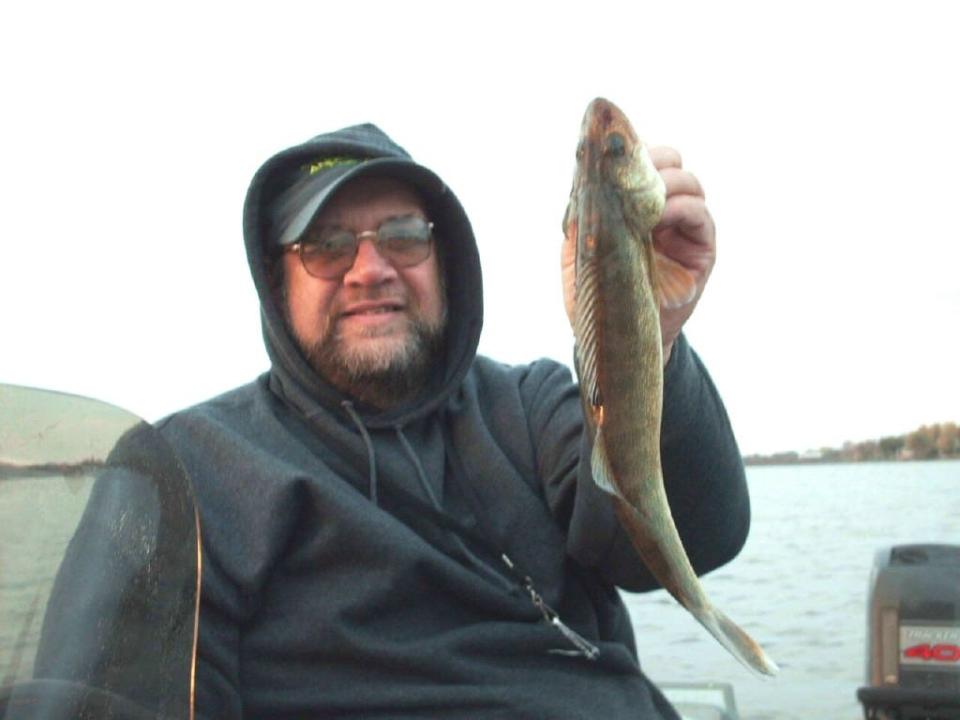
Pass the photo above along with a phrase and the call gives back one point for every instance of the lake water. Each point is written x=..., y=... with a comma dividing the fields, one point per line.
x=800, y=585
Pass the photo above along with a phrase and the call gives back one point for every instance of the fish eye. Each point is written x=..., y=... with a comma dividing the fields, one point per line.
x=616, y=146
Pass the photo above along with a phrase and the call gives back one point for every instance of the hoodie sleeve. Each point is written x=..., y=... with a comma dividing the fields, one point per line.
x=221, y=603
x=702, y=468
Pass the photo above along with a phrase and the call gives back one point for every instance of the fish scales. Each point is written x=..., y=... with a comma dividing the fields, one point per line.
x=616, y=201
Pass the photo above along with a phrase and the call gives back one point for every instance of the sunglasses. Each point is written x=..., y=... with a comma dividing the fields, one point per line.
x=328, y=252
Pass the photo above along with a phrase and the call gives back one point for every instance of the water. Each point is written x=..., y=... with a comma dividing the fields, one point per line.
x=37, y=519
x=800, y=585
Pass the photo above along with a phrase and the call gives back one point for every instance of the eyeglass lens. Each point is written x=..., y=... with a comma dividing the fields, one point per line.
x=328, y=252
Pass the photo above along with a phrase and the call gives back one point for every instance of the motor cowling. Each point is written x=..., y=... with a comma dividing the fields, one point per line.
x=913, y=634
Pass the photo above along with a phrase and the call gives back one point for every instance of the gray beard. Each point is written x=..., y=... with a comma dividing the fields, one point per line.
x=384, y=379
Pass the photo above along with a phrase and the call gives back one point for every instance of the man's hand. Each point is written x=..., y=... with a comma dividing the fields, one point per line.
x=685, y=234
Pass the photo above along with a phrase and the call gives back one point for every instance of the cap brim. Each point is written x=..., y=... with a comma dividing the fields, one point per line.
x=306, y=200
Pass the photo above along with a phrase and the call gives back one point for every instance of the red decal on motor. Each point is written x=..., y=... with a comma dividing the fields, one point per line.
x=937, y=653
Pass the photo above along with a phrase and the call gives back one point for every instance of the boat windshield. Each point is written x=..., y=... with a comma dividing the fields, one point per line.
x=99, y=563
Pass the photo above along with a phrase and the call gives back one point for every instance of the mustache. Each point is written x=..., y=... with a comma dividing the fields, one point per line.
x=345, y=300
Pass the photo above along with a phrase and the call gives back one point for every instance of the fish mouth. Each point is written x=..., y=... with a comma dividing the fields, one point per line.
x=603, y=112
x=603, y=117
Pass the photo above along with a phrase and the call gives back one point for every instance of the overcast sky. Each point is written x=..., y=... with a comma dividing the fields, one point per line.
x=826, y=136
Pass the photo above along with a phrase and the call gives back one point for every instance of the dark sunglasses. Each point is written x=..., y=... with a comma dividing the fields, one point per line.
x=328, y=252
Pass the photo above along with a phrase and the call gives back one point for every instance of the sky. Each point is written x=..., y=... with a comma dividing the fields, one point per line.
x=825, y=135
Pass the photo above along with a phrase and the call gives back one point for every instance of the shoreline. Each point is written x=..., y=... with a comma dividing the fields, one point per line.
x=756, y=461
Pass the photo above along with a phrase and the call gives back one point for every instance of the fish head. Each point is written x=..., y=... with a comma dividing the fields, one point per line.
x=608, y=143
x=624, y=160
x=614, y=169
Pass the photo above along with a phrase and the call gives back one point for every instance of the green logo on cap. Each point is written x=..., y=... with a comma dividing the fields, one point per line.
x=331, y=162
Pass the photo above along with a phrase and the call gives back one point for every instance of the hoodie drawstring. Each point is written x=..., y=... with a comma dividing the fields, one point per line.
x=481, y=567
x=371, y=454
x=421, y=475
x=478, y=564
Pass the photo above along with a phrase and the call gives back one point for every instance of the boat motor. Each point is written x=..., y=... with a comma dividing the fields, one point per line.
x=913, y=634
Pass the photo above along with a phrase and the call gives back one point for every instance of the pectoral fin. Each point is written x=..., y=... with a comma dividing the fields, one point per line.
x=676, y=284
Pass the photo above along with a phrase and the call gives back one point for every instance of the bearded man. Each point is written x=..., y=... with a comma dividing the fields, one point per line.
x=396, y=527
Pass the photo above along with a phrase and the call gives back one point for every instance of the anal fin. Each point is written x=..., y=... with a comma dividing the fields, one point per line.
x=600, y=465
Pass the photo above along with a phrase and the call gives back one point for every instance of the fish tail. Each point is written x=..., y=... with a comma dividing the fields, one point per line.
x=743, y=647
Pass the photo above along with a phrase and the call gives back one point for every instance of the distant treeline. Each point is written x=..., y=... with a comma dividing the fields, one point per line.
x=928, y=442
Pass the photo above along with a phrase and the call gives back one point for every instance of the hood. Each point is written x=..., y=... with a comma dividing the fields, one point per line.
x=291, y=375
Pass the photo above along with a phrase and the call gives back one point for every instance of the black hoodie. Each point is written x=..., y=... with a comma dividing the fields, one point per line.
x=354, y=559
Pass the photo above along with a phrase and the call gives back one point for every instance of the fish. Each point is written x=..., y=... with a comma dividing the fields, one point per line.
x=621, y=282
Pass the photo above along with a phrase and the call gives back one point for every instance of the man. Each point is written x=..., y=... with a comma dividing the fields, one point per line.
x=395, y=527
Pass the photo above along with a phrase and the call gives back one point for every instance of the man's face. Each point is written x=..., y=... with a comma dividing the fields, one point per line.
x=372, y=332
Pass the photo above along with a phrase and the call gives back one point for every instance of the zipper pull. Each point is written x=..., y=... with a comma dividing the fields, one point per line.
x=583, y=646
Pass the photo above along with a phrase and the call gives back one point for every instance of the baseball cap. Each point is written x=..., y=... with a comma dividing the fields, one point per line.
x=295, y=208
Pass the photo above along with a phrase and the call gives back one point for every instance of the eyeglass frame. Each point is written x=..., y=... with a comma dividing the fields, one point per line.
x=374, y=235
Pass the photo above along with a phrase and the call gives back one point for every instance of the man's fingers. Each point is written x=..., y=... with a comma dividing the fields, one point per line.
x=685, y=211
x=681, y=182
x=665, y=157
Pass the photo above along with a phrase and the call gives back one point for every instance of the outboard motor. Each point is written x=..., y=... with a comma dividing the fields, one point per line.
x=913, y=634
